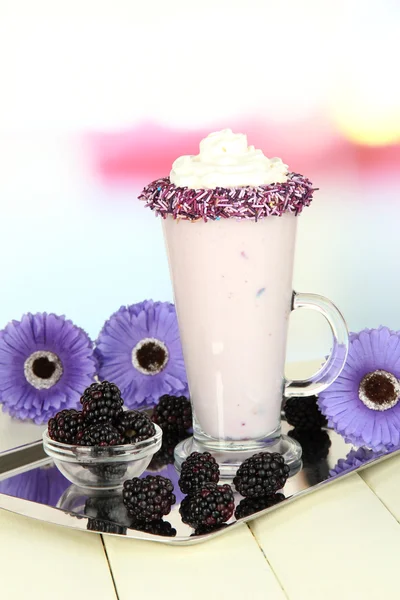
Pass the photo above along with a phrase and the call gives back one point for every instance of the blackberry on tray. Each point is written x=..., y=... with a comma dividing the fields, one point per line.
x=198, y=469
x=148, y=499
x=66, y=425
x=210, y=506
x=249, y=506
x=304, y=413
x=102, y=434
x=159, y=527
x=173, y=414
x=262, y=474
x=184, y=510
x=101, y=403
x=134, y=426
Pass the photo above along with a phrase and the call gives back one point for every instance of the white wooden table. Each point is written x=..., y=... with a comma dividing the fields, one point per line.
x=339, y=543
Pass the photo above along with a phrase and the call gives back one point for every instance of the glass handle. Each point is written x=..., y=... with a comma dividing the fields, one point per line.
x=335, y=363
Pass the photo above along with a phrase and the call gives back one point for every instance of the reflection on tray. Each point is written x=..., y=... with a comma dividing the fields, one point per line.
x=323, y=452
x=43, y=484
x=315, y=445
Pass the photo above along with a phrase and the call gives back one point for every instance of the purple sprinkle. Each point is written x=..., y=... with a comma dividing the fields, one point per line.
x=243, y=254
x=254, y=203
x=260, y=292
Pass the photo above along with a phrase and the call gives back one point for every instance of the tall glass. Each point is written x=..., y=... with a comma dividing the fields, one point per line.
x=232, y=284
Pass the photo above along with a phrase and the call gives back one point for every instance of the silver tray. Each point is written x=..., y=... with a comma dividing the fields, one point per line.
x=31, y=485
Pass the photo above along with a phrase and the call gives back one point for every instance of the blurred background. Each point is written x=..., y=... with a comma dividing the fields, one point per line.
x=98, y=98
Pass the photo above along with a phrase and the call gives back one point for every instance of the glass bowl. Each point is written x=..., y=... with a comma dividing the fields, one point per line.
x=102, y=467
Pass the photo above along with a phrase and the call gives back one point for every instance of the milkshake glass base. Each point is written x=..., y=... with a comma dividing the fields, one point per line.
x=229, y=459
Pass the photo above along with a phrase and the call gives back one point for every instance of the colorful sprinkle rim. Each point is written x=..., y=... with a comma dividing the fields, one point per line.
x=165, y=198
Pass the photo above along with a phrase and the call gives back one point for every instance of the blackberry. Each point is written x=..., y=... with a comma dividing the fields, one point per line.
x=134, y=426
x=112, y=472
x=158, y=527
x=198, y=469
x=314, y=444
x=148, y=499
x=262, y=474
x=65, y=426
x=249, y=506
x=165, y=455
x=304, y=413
x=103, y=526
x=102, y=434
x=173, y=414
x=210, y=506
x=101, y=403
x=184, y=510
x=204, y=529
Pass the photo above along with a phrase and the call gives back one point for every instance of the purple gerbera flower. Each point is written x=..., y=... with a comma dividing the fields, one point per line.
x=139, y=349
x=353, y=460
x=363, y=403
x=45, y=364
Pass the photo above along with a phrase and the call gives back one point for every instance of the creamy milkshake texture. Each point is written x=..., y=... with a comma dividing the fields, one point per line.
x=230, y=227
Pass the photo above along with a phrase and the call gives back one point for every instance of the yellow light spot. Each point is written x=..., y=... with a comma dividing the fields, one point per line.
x=372, y=126
x=365, y=101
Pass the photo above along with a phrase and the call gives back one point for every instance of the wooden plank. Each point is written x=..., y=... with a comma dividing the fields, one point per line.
x=43, y=562
x=231, y=566
x=340, y=542
x=384, y=481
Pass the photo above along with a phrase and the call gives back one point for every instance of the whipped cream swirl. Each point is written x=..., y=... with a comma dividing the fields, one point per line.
x=225, y=160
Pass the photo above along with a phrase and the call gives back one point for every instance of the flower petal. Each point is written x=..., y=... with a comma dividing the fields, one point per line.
x=370, y=350
x=54, y=333
x=118, y=337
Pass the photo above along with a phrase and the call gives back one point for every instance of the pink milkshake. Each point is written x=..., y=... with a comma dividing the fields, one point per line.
x=230, y=217
x=233, y=294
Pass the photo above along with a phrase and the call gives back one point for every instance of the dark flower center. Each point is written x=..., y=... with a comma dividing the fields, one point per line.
x=43, y=367
x=379, y=390
x=150, y=356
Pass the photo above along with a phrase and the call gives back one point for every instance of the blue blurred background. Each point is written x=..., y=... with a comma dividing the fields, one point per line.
x=97, y=99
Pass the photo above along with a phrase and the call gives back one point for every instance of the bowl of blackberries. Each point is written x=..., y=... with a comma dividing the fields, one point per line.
x=102, y=445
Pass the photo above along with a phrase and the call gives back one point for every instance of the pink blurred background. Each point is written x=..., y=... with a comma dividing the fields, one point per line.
x=97, y=99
